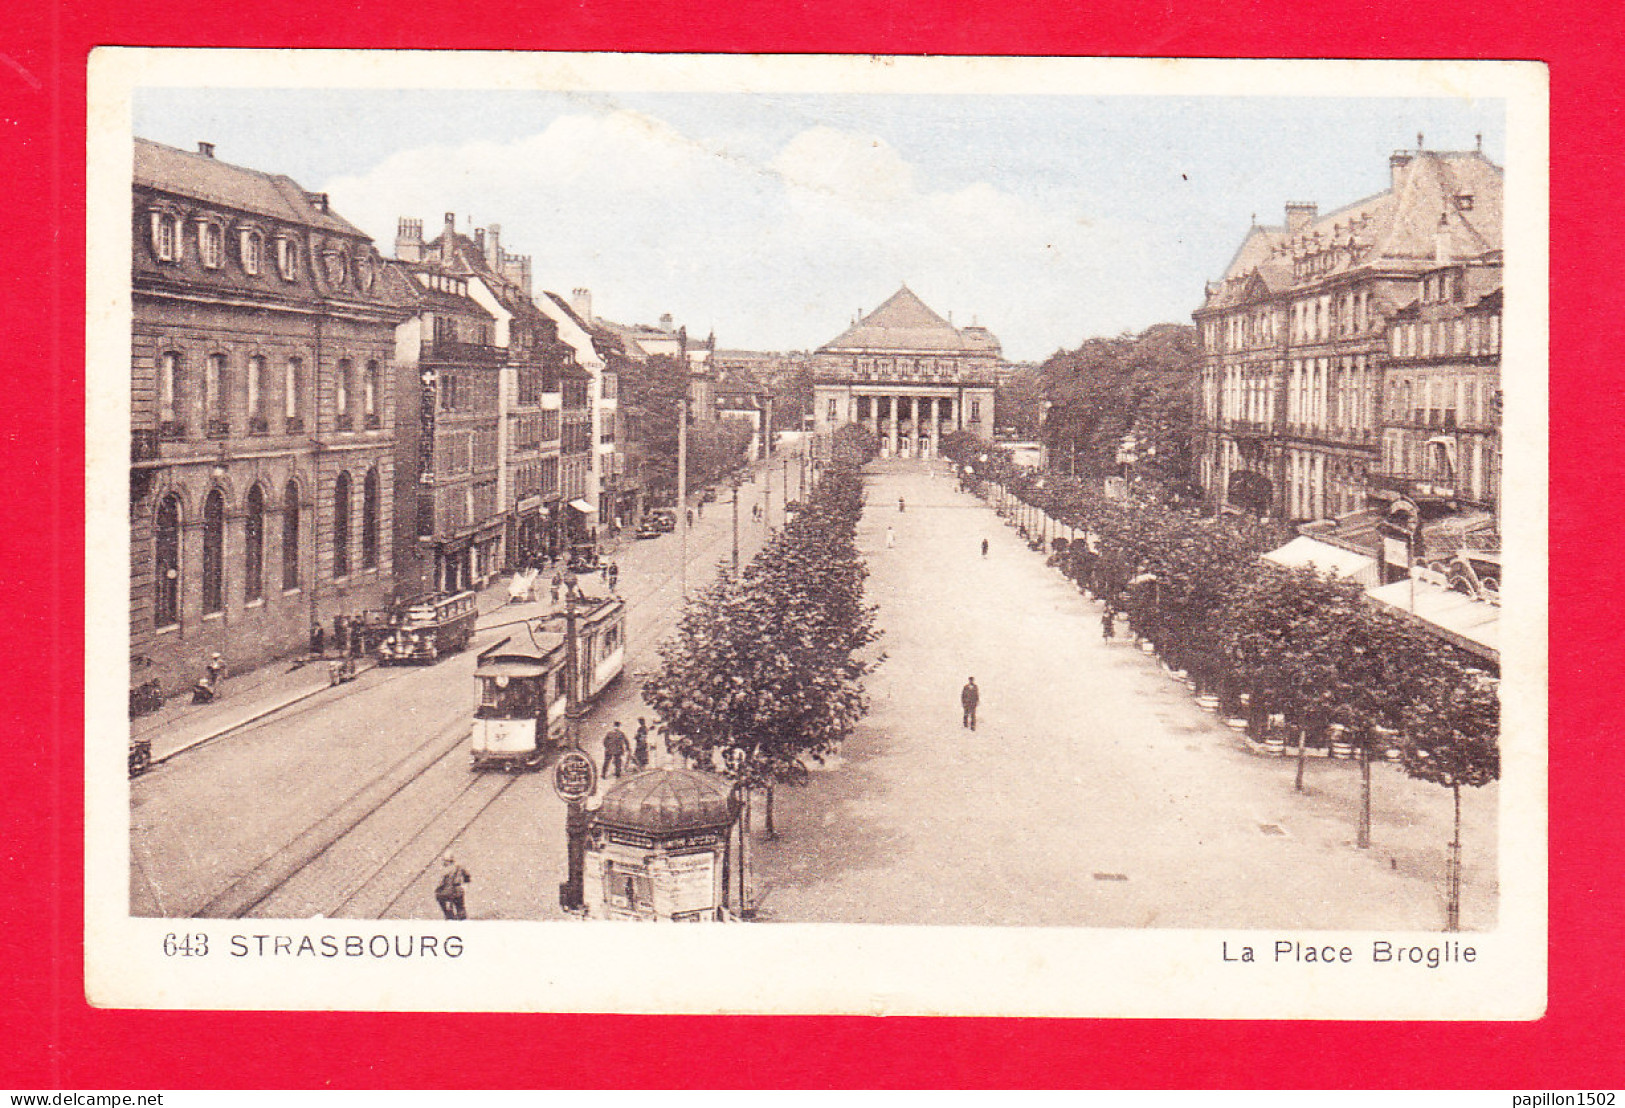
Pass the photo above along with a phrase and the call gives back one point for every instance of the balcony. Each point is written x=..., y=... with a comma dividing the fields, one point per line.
x=258, y=425
x=1413, y=486
x=344, y=422
x=171, y=430
x=293, y=425
x=374, y=421
x=219, y=429
x=446, y=350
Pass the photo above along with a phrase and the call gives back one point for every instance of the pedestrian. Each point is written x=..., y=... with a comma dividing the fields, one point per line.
x=969, y=697
x=891, y=538
x=613, y=572
x=702, y=509
x=318, y=639
x=555, y=584
x=449, y=893
x=1108, y=624
x=217, y=670
x=640, y=745
x=900, y=505
x=615, y=750
x=984, y=548
x=691, y=517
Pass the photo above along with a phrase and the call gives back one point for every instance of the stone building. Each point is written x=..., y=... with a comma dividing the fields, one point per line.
x=262, y=415
x=908, y=375
x=1296, y=383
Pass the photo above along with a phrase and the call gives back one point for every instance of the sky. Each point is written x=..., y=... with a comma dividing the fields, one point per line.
x=773, y=219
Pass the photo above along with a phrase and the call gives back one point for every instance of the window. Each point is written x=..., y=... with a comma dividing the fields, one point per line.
x=214, y=551
x=292, y=392
x=211, y=239
x=166, y=236
x=250, y=247
x=448, y=392
x=976, y=411
x=832, y=410
x=341, y=526
x=290, y=536
x=216, y=382
x=369, y=520
x=170, y=425
x=341, y=392
x=166, y=563
x=254, y=546
x=256, y=395
x=369, y=394
x=287, y=258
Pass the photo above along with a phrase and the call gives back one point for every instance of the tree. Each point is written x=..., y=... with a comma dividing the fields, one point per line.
x=768, y=667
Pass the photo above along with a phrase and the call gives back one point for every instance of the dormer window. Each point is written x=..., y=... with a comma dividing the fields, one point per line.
x=166, y=236
x=334, y=261
x=251, y=248
x=1464, y=201
x=211, y=238
x=287, y=258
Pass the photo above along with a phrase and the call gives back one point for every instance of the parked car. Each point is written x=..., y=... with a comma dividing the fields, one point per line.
x=663, y=519
x=709, y=496
x=648, y=529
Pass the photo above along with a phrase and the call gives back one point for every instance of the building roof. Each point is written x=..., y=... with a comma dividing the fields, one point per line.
x=668, y=801
x=206, y=178
x=1440, y=200
x=1467, y=622
x=905, y=323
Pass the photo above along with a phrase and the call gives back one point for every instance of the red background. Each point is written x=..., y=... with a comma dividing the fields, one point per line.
x=52, y=1039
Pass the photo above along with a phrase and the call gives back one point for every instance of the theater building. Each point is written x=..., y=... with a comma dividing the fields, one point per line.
x=262, y=415
x=909, y=376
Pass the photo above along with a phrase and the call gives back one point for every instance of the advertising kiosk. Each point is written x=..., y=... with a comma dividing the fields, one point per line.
x=655, y=847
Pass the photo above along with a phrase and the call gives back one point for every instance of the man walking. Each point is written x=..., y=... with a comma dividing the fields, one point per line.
x=969, y=697
x=891, y=538
x=1108, y=624
x=640, y=745
x=449, y=893
x=615, y=750
x=984, y=548
x=613, y=573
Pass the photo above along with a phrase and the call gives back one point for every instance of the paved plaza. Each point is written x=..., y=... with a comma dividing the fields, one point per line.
x=1094, y=792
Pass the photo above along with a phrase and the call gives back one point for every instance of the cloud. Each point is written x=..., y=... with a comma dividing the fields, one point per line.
x=774, y=250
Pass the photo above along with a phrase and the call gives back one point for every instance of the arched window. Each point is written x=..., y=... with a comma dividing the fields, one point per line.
x=290, y=536
x=254, y=546
x=211, y=244
x=341, y=526
x=251, y=246
x=214, y=551
x=166, y=563
x=369, y=520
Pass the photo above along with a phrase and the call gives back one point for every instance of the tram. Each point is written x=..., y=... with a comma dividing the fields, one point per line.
x=428, y=628
x=522, y=688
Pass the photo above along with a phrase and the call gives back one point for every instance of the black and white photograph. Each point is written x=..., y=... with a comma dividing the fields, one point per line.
x=974, y=536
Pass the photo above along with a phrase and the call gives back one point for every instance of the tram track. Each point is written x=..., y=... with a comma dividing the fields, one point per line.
x=379, y=884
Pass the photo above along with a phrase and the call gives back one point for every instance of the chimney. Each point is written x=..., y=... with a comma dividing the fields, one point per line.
x=1441, y=239
x=1396, y=168
x=317, y=200
x=581, y=303
x=409, y=240
x=206, y=149
x=493, y=247
x=451, y=226
x=1300, y=214
x=479, y=239
x=665, y=320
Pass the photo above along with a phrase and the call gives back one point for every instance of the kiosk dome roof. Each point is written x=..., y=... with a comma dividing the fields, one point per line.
x=668, y=801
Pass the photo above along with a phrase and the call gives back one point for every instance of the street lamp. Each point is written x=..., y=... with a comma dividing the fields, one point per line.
x=573, y=895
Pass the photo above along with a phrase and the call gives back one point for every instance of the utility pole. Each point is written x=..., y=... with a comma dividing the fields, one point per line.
x=682, y=497
x=575, y=813
x=736, y=525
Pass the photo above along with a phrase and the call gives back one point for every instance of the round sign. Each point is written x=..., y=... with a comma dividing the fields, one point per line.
x=574, y=777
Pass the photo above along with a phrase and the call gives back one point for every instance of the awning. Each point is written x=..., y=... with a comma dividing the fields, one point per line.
x=583, y=506
x=1323, y=557
x=1470, y=623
